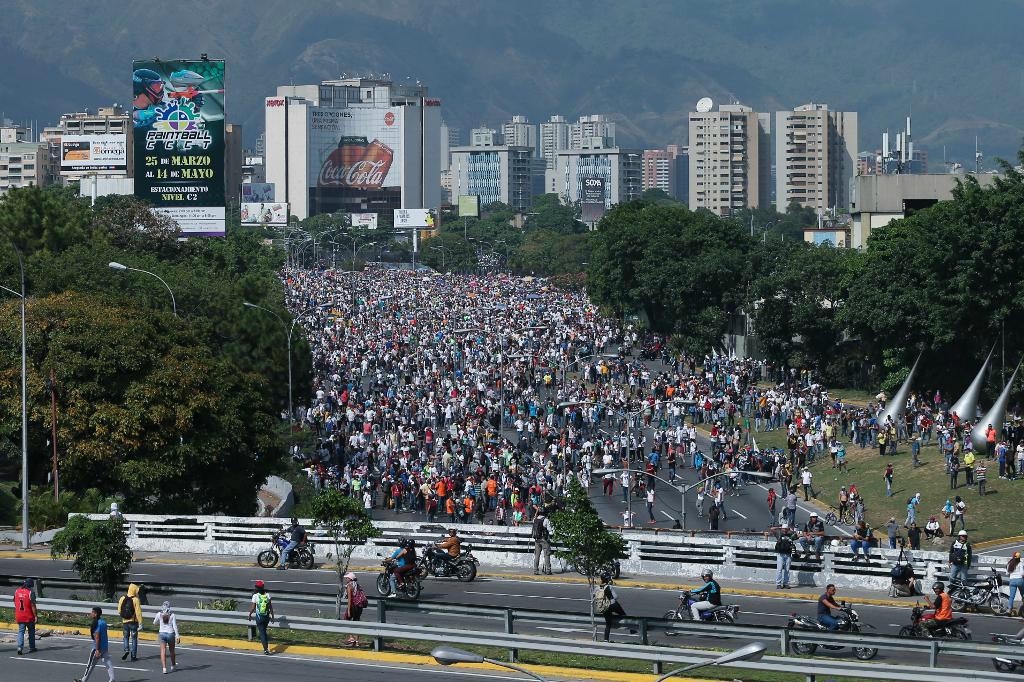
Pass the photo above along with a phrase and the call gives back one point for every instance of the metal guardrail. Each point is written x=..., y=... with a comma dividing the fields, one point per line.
x=659, y=656
x=509, y=617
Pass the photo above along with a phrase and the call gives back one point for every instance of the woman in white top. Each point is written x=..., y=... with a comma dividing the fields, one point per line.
x=168, y=634
x=1015, y=569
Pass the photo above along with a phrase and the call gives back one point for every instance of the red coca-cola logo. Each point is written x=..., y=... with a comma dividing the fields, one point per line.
x=275, y=103
x=389, y=119
x=368, y=172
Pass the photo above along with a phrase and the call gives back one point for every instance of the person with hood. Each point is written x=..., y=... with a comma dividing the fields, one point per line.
x=130, y=609
x=168, y=634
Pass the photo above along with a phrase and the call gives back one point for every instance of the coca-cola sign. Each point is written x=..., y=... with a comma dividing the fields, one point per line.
x=366, y=169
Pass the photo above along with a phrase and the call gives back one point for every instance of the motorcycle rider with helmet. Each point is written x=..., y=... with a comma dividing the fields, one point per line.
x=711, y=592
x=405, y=561
x=943, y=606
x=452, y=544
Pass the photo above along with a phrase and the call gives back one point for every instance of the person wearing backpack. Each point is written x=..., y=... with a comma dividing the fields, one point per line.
x=130, y=609
x=541, y=542
x=356, y=599
x=960, y=557
x=784, y=549
x=263, y=608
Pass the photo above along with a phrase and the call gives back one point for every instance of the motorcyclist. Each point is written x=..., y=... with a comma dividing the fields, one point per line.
x=405, y=561
x=826, y=603
x=943, y=606
x=296, y=536
x=452, y=544
x=710, y=594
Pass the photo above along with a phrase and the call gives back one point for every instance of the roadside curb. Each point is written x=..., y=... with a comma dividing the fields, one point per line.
x=374, y=656
x=999, y=541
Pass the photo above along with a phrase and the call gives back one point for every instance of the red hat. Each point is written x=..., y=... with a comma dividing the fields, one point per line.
x=259, y=583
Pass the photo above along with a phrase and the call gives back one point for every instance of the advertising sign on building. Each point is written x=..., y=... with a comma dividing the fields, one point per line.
x=469, y=206
x=178, y=127
x=257, y=192
x=364, y=221
x=91, y=153
x=413, y=217
x=355, y=149
x=593, y=191
x=264, y=214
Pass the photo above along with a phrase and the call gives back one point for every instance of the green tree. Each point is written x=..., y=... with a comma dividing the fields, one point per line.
x=549, y=213
x=349, y=526
x=99, y=551
x=43, y=219
x=581, y=537
x=657, y=196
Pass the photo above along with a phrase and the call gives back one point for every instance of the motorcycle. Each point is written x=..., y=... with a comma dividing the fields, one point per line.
x=409, y=585
x=1008, y=665
x=954, y=629
x=717, y=614
x=301, y=556
x=849, y=621
x=982, y=593
x=441, y=565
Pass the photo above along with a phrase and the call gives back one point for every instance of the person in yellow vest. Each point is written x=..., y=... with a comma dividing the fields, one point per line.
x=969, y=464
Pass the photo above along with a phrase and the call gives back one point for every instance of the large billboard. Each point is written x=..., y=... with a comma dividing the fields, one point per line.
x=469, y=205
x=364, y=221
x=178, y=121
x=593, y=191
x=413, y=217
x=94, y=153
x=257, y=192
x=264, y=214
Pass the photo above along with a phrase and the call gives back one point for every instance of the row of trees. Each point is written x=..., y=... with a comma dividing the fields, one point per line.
x=945, y=281
x=171, y=413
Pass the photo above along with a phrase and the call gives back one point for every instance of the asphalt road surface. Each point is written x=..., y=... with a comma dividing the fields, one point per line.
x=545, y=596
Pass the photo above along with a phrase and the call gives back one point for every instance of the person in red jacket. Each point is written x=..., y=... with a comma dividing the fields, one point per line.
x=25, y=615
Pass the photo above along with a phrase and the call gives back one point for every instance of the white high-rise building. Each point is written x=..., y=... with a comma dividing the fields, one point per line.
x=592, y=132
x=495, y=173
x=730, y=159
x=619, y=171
x=815, y=156
x=449, y=139
x=358, y=145
x=554, y=137
x=519, y=132
x=484, y=137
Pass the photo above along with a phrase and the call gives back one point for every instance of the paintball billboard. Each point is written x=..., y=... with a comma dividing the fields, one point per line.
x=178, y=127
x=93, y=153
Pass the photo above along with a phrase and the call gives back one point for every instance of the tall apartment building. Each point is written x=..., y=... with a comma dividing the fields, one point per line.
x=23, y=164
x=815, y=156
x=449, y=139
x=519, y=132
x=484, y=137
x=113, y=121
x=668, y=170
x=554, y=137
x=495, y=173
x=729, y=160
x=592, y=132
x=619, y=169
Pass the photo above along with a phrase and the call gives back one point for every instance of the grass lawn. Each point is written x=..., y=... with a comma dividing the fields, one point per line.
x=986, y=516
x=278, y=637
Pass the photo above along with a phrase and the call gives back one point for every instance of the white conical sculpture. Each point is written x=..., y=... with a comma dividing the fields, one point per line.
x=967, y=406
x=895, y=407
x=994, y=416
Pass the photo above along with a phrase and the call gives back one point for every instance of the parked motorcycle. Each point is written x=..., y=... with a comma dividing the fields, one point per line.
x=954, y=629
x=1008, y=665
x=441, y=565
x=849, y=621
x=978, y=594
x=409, y=585
x=717, y=614
x=301, y=556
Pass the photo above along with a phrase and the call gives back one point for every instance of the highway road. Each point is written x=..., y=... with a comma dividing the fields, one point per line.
x=61, y=659
x=546, y=596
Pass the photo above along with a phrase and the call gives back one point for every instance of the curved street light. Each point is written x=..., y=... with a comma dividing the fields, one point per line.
x=449, y=655
x=750, y=652
x=118, y=266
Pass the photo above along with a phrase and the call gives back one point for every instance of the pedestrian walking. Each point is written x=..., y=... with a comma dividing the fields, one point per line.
x=772, y=499
x=130, y=609
x=100, y=647
x=981, y=476
x=263, y=608
x=892, y=530
x=1015, y=571
x=912, y=505
x=713, y=515
x=167, y=634
x=26, y=615
x=606, y=603
x=887, y=477
x=805, y=480
x=542, y=530
x=784, y=549
x=356, y=601
x=650, y=505
x=959, y=514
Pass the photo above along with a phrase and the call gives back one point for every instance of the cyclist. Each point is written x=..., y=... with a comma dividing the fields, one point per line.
x=710, y=592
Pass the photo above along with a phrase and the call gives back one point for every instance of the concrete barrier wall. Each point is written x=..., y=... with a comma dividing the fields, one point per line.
x=661, y=553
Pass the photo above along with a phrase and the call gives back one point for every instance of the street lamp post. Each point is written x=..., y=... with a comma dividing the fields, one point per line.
x=447, y=655
x=289, y=330
x=750, y=652
x=117, y=266
x=24, y=406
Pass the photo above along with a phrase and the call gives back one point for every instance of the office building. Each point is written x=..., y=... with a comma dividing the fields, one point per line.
x=484, y=137
x=519, y=132
x=619, y=171
x=495, y=173
x=449, y=139
x=358, y=145
x=815, y=156
x=84, y=132
x=554, y=137
x=729, y=160
x=668, y=170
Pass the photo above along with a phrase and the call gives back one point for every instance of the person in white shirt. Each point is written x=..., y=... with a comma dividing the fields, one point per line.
x=805, y=480
x=650, y=504
x=168, y=634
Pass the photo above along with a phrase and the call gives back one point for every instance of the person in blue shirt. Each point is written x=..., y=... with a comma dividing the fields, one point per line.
x=405, y=561
x=101, y=648
x=654, y=458
x=710, y=592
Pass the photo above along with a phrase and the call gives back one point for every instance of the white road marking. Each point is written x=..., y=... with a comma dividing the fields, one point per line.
x=554, y=629
x=668, y=516
x=36, y=659
x=733, y=511
x=526, y=596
